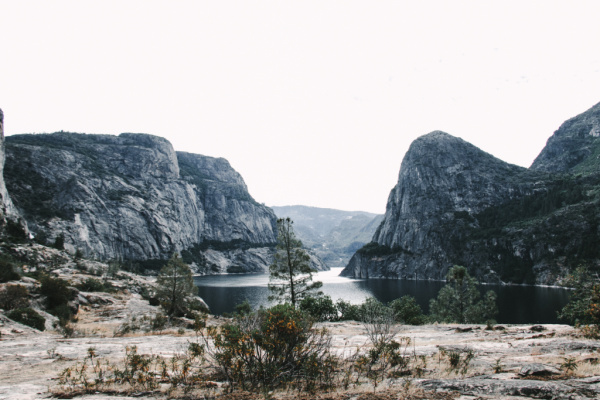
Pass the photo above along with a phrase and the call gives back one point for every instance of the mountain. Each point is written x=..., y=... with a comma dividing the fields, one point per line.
x=333, y=235
x=456, y=204
x=8, y=212
x=574, y=147
x=133, y=198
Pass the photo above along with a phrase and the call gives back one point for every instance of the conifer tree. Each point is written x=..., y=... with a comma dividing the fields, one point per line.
x=291, y=273
x=458, y=300
x=174, y=286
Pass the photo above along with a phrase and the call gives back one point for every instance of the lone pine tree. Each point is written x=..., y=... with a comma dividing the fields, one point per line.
x=291, y=273
x=174, y=286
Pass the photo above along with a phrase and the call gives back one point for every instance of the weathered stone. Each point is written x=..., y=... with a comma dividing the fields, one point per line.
x=539, y=370
x=456, y=204
x=523, y=388
x=7, y=209
x=571, y=146
x=132, y=197
x=443, y=181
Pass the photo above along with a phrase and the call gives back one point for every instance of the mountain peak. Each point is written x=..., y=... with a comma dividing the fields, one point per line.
x=574, y=147
x=456, y=204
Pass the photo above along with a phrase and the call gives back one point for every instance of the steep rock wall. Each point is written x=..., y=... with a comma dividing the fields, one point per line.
x=574, y=147
x=442, y=180
x=455, y=204
x=132, y=197
x=7, y=209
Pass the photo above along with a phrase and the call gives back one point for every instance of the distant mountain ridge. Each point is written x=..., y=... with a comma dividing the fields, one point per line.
x=456, y=204
x=333, y=235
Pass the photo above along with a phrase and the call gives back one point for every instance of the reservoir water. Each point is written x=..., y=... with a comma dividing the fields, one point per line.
x=516, y=304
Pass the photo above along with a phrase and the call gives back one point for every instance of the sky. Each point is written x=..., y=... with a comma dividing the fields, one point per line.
x=312, y=102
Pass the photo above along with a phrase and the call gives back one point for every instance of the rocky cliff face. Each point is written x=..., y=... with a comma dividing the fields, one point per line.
x=455, y=204
x=7, y=209
x=132, y=197
x=574, y=147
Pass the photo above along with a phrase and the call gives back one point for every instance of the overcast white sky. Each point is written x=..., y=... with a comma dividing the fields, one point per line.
x=313, y=102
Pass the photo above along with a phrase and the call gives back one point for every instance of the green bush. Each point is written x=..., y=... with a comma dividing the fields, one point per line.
x=271, y=348
x=321, y=308
x=407, y=311
x=58, y=294
x=15, y=231
x=583, y=308
x=95, y=285
x=158, y=322
x=41, y=238
x=347, y=311
x=379, y=321
x=59, y=242
x=14, y=296
x=241, y=309
x=8, y=270
x=28, y=316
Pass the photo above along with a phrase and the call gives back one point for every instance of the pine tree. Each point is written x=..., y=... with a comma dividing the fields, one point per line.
x=174, y=286
x=458, y=300
x=291, y=273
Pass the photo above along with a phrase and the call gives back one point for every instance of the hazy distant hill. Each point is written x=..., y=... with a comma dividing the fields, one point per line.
x=334, y=235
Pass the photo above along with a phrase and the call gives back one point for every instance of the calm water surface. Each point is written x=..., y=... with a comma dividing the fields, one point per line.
x=516, y=304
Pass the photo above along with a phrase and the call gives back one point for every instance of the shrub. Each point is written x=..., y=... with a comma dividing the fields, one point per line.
x=8, y=270
x=458, y=361
x=243, y=308
x=95, y=285
x=347, y=311
x=41, y=238
x=379, y=321
x=194, y=305
x=321, y=308
x=14, y=296
x=272, y=347
x=385, y=359
x=158, y=322
x=583, y=308
x=59, y=242
x=15, y=231
x=407, y=311
x=28, y=316
x=58, y=295
x=57, y=292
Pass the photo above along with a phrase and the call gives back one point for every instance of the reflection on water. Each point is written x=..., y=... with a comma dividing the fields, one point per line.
x=516, y=304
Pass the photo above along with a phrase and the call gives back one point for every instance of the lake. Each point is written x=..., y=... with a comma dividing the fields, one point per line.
x=516, y=304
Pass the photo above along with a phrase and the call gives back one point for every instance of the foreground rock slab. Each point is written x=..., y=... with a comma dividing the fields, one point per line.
x=30, y=361
x=496, y=388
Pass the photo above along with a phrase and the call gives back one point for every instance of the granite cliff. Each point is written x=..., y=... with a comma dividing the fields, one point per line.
x=8, y=212
x=455, y=204
x=133, y=198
